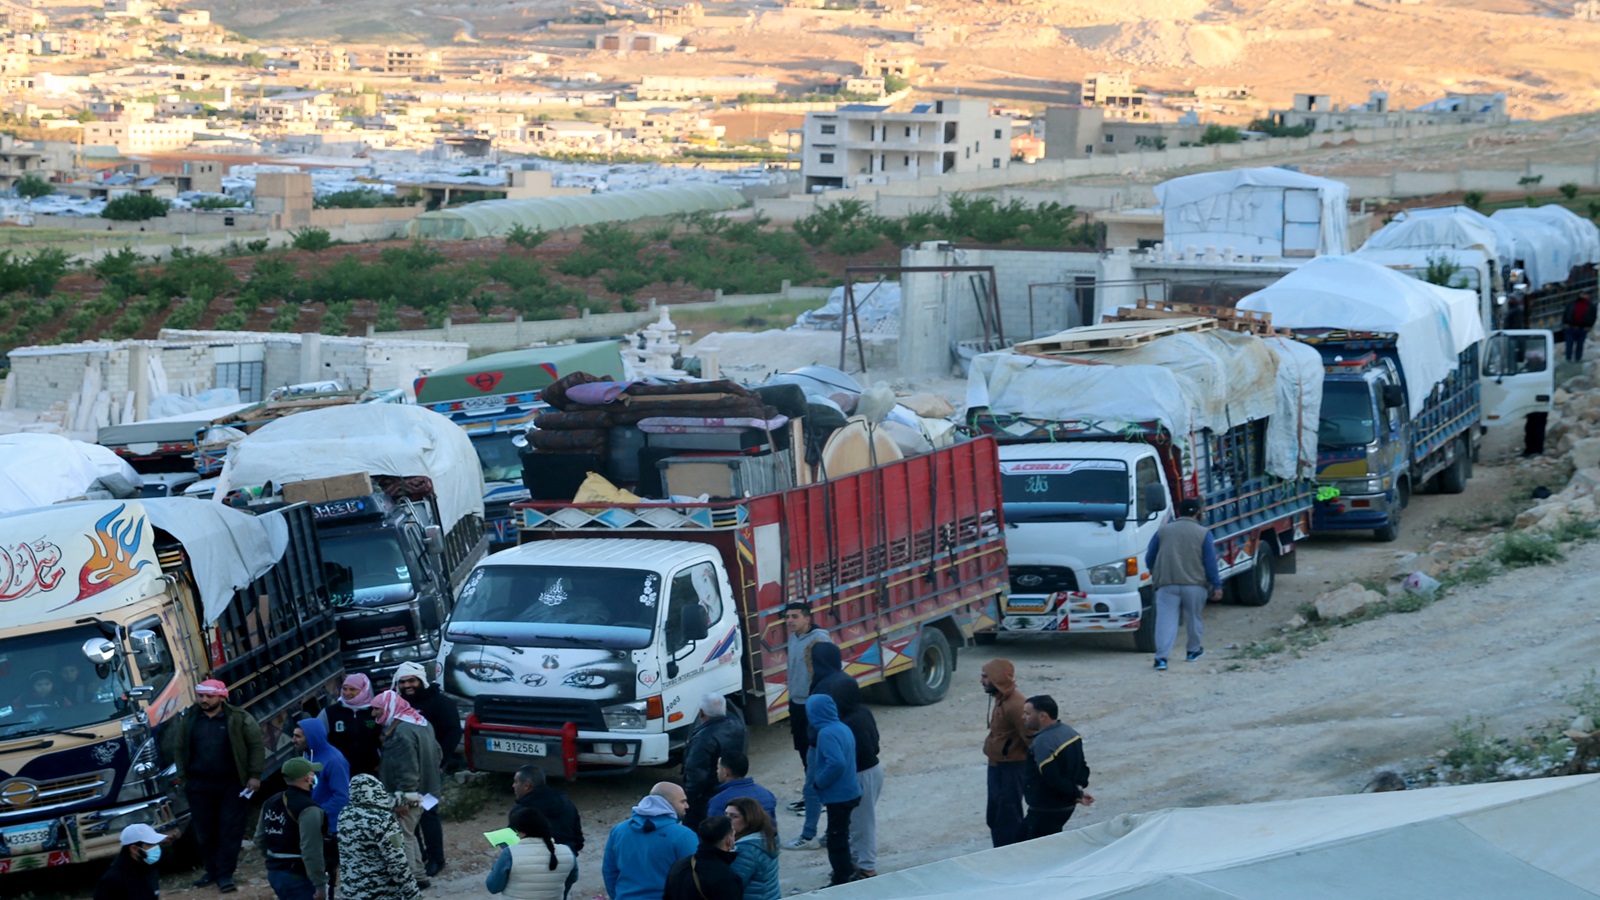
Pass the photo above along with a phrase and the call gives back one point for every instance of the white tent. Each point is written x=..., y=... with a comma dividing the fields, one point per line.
x=1432, y=324
x=1512, y=839
x=376, y=438
x=1257, y=212
x=1453, y=227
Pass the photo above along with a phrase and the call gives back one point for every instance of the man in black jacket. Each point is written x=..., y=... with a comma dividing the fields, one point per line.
x=716, y=733
x=219, y=754
x=708, y=874
x=293, y=835
x=133, y=874
x=1057, y=772
x=565, y=826
x=411, y=681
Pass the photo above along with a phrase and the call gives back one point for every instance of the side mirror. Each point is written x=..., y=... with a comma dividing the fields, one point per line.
x=433, y=539
x=1393, y=396
x=146, y=647
x=99, y=650
x=1155, y=497
x=695, y=624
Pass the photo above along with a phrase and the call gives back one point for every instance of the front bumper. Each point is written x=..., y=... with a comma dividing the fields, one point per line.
x=1351, y=512
x=1072, y=611
x=569, y=753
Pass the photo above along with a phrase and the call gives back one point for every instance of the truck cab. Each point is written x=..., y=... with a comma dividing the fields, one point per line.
x=1363, y=438
x=1079, y=516
x=590, y=653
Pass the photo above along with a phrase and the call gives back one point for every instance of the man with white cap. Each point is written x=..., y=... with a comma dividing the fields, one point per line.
x=219, y=754
x=411, y=681
x=133, y=874
x=293, y=834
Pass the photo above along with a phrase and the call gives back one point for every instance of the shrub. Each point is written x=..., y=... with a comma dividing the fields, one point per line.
x=233, y=320
x=32, y=187
x=135, y=208
x=1472, y=199
x=1530, y=180
x=355, y=198
x=216, y=203
x=1569, y=190
x=287, y=316
x=1220, y=134
x=309, y=238
x=187, y=315
x=526, y=238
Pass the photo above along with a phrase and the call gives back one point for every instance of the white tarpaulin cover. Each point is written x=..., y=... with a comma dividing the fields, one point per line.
x=1432, y=324
x=1187, y=381
x=1300, y=370
x=1550, y=240
x=875, y=302
x=83, y=559
x=1257, y=212
x=1453, y=227
x=376, y=438
x=41, y=469
x=1491, y=841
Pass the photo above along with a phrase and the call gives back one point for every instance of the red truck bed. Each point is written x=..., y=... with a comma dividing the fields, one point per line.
x=900, y=563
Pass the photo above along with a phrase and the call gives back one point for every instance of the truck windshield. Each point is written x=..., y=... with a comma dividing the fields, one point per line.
x=499, y=457
x=1347, y=416
x=50, y=686
x=367, y=569
x=1065, y=490
x=512, y=605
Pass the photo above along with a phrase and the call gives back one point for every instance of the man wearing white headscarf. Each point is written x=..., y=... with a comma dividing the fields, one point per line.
x=409, y=768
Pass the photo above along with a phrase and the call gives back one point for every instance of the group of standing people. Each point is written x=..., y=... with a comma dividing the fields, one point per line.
x=365, y=785
x=1035, y=759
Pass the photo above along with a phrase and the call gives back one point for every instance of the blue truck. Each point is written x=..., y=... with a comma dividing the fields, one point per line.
x=494, y=399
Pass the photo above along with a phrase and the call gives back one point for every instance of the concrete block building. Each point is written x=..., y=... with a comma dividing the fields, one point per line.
x=861, y=144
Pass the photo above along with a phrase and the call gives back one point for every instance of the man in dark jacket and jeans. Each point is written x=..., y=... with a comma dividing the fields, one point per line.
x=716, y=733
x=1183, y=562
x=1578, y=318
x=219, y=754
x=1057, y=773
x=411, y=681
x=557, y=808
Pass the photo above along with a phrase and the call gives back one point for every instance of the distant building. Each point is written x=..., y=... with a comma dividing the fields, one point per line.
x=1113, y=90
x=412, y=61
x=126, y=9
x=636, y=42
x=18, y=158
x=940, y=34
x=1222, y=92
x=688, y=87
x=875, y=66
x=142, y=137
x=572, y=134
x=1082, y=132
x=322, y=59
x=688, y=15
x=863, y=144
x=1586, y=10
x=13, y=63
x=297, y=106
x=665, y=123
x=1319, y=113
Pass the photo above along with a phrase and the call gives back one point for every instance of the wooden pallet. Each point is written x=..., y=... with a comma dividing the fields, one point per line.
x=1113, y=335
x=1227, y=318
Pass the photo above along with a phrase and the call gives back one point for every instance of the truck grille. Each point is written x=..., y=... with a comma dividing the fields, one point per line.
x=539, y=712
x=1042, y=580
x=19, y=795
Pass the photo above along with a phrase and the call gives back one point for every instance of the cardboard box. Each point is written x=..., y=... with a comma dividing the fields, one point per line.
x=318, y=490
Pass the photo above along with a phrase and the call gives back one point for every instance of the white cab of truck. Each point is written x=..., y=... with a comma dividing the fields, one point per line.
x=621, y=637
x=1079, y=517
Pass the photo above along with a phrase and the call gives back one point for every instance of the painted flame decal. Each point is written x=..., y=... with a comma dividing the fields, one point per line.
x=116, y=545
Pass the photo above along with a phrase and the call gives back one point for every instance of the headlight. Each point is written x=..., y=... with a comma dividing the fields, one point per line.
x=408, y=653
x=1112, y=573
x=623, y=717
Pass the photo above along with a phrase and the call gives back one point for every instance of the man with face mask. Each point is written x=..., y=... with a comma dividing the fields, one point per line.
x=291, y=834
x=411, y=681
x=219, y=754
x=332, y=788
x=133, y=874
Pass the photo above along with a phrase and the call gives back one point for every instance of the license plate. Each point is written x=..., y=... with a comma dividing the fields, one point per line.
x=26, y=838
x=523, y=748
x=481, y=404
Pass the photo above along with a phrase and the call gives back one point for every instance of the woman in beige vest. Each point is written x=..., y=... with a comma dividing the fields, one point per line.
x=534, y=868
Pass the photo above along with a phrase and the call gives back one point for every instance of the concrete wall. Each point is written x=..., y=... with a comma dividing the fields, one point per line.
x=493, y=336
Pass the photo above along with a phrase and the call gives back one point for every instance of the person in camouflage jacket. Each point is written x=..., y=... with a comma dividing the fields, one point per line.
x=372, y=856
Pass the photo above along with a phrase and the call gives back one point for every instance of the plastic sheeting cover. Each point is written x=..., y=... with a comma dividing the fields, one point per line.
x=1432, y=324
x=1187, y=382
x=1244, y=209
x=1531, y=838
x=41, y=469
x=1551, y=241
x=875, y=302
x=376, y=438
x=1455, y=227
x=495, y=218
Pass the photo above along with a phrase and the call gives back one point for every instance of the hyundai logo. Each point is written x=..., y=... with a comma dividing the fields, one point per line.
x=18, y=793
x=1030, y=580
x=533, y=680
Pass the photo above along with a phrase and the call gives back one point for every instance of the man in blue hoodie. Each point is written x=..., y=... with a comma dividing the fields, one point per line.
x=640, y=852
x=831, y=772
x=331, y=790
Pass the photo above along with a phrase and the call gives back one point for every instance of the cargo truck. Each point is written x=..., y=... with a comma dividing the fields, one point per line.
x=125, y=606
x=586, y=650
x=494, y=399
x=398, y=500
x=1104, y=429
x=1402, y=402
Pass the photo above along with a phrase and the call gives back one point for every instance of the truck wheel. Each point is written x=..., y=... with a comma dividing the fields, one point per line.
x=1254, y=588
x=1144, y=640
x=1454, y=479
x=1391, y=531
x=929, y=680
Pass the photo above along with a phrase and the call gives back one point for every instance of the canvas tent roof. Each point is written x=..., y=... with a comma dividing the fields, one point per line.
x=1214, y=208
x=1510, y=839
x=1347, y=292
x=495, y=218
x=511, y=371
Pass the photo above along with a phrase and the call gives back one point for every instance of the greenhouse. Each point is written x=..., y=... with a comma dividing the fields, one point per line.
x=495, y=218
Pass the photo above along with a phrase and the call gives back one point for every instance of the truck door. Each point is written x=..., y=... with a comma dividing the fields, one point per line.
x=699, y=665
x=1518, y=375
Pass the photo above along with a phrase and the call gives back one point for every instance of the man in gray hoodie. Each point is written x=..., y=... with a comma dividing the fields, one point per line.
x=802, y=634
x=1183, y=562
x=640, y=851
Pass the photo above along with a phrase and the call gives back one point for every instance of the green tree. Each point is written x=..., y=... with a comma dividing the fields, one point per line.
x=1472, y=199
x=309, y=238
x=254, y=60
x=32, y=187
x=1569, y=191
x=894, y=84
x=1220, y=134
x=135, y=208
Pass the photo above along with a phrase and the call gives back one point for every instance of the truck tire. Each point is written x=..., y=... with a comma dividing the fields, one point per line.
x=1144, y=640
x=1390, y=532
x=1254, y=588
x=1453, y=480
x=928, y=681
